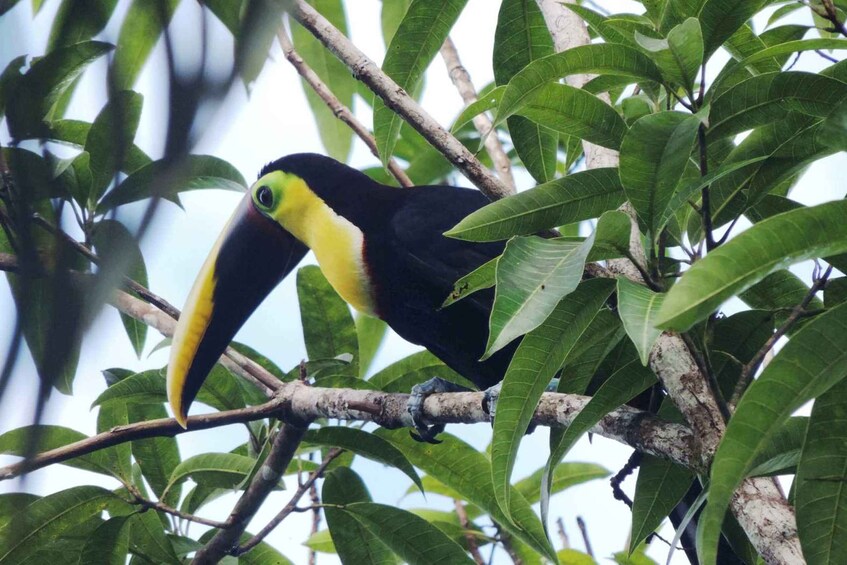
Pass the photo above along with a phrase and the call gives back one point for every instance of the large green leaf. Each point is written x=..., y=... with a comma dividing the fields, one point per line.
x=769, y=97
x=75, y=133
x=221, y=470
x=411, y=537
x=371, y=333
x=160, y=179
x=353, y=542
x=140, y=31
x=659, y=488
x=573, y=198
x=654, y=155
x=487, y=101
x=537, y=359
x=336, y=136
x=328, y=327
x=147, y=539
x=109, y=543
x=50, y=517
x=638, y=306
x=565, y=475
x=679, y=56
x=79, y=20
x=604, y=58
x=820, y=491
x=417, y=40
x=402, y=375
x=364, y=444
x=464, y=469
x=38, y=92
x=770, y=245
x=736, y=340
x=589, y=352
x=812, y=362
x=719, y=19
x=156, y=456
x=520, y=38
x=533, y=275
x=779, y=292
x=572, y=111
x=18, y=442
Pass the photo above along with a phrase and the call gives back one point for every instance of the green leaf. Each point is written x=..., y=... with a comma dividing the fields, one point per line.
x=108, y=544
x=75, y=133
x=262, y=554
x=654, y=155
x=118, y=248
x=719, y=19
x=736, y=340
x=660, y=486
x=414, y=45
x=679, y=56
x=13, y=503
x=79, y=20
x=533, y=275
x=612, y=236
x=146, y=387
x=572, y=111
x=819, y=494
x=812, y=362
x=364, y=444
x=110, y=138
x=39, y=91
x=353, y=542
x=328, y=327
x=464, y=469
x=565, y=476
x=147, y=539
x=390, y=17
x=140, y=31
x=51, y=517
x=479, y=279
x=598, y=340
x=336, y=136
x=539, y=356
x=221, y=470
x=573, y=198
x=411, y=537
x=638, y=306
x=159, y=179
x=402, y=375
x=604, y=58
x=535, y=144
x=321, y=541
x=108, y=417
x=769, y=97
x=9, y=78
x=486, y=102
x=156, y=456
x=778, y=292
x=371, y=334
x=17, y=442
x=775, y=243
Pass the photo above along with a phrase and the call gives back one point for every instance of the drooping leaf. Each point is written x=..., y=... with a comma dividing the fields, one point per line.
x=654, y=155
x=612, y=236
x=680, y=55
x=17, y=442
x=604, y=58
x=221, y=470
x=486, y=102
x=352, y=540
x=159, y=179
x=533, y=275
x=659, y=488
x=565, y=475
x=638, y=306
x=777, y=292
x=413, y=46
x=402, y=375
x=140, y=31
x=820, y=496
x=572, y=111
x=467, y=471
x=79, y=20
x=411, y=537
x=336, y=136
x=147, y=539
x=109, y=543
x=479, y=279
x=812, y=362
x=364, y=444
x=573, y=198
x=156, y=456
x=534, y=143
x=328, y=327
x=816, y=231
x=537, y=359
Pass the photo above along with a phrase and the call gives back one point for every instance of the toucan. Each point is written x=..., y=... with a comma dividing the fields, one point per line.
x=381, y=248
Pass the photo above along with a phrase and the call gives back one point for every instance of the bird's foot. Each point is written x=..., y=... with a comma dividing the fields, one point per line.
x=489, y=400
x=426, y=433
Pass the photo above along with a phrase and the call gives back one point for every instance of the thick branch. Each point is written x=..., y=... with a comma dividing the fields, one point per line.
x=462, y=80
x=297, y=402
x=284, y=447
x=365, y=70
x=341, y=111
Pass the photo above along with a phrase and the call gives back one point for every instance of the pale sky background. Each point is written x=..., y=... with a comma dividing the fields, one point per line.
x=275, y=121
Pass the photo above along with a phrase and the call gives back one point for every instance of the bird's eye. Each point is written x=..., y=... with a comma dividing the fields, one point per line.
x=265, y=196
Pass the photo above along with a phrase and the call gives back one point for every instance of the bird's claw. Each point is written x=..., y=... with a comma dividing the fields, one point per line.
x=489, y=400
x=426, y=433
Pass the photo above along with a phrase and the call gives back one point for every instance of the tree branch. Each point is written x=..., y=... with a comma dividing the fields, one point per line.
x=162, y=507
x=341, y=111
x=462, y=81
x=369, y=73
x=470, y=539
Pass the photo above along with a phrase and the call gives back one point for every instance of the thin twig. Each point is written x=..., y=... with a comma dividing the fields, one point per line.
x=584, y=531
x=705, y=206
x=462, y=81
x=831, y=14
x=563, y=536
x=369, y=73
x=283, y=449
x=473, y=548
x=302, y=489
x=341, y=111
x=749, y=370
x=139, y=499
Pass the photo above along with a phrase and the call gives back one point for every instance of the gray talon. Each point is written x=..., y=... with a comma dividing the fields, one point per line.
x=414, y=406
x=489, y=402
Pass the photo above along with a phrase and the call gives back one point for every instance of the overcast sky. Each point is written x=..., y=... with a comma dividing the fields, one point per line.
x=275, y=121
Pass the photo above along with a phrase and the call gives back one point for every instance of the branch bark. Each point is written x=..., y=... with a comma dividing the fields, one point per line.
x=758, y=504
x=369, y=73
